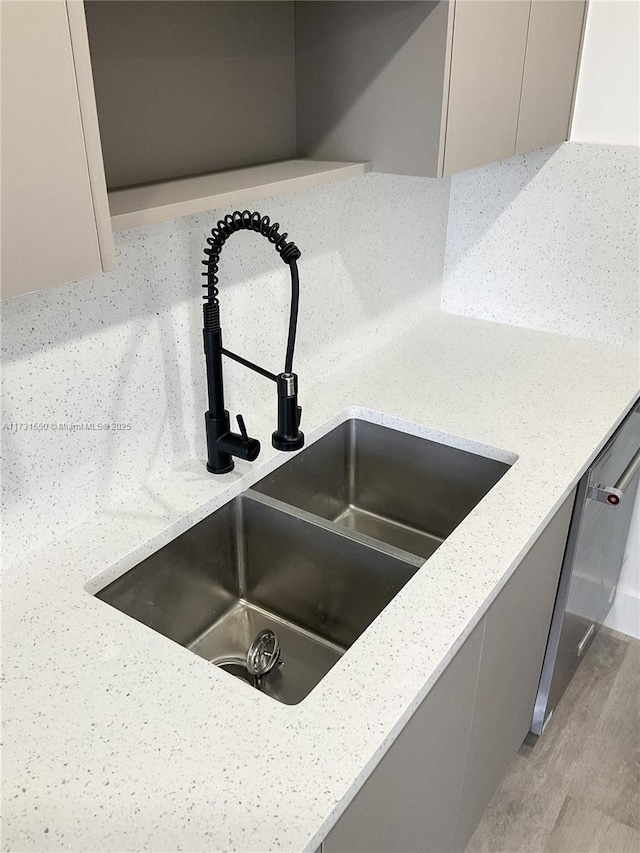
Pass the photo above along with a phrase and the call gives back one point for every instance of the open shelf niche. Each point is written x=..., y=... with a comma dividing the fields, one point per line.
x=197, y=106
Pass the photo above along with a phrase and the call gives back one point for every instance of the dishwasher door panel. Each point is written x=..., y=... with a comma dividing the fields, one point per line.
x=591, y=567
x=600, y=550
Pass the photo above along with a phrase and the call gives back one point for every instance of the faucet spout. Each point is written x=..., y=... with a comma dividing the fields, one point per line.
x=222, y=444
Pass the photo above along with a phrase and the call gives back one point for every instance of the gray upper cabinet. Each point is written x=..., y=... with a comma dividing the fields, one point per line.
x=433, y=88
x=550, y=73
x=489, y=45
x=201, y=105
x=55, y=219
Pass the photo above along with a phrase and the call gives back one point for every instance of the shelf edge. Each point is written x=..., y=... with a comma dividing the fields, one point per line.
x=234, y=198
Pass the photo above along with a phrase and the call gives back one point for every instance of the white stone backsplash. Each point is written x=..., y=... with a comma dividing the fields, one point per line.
x=549, y=241
x=125, y=349
x=546, y=240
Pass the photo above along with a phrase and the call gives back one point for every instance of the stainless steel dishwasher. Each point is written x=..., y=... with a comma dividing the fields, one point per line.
x=592, y=562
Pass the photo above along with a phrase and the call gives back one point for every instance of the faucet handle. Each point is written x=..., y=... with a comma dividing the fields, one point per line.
x=242, y=428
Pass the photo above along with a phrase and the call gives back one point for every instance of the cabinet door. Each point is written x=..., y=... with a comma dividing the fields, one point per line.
x=410, y=801
x=49, y=221
x=515, y=637
x=550, y=70
x=489, y=40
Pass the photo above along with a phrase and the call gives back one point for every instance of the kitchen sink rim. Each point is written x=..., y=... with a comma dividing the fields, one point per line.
x=234, y=487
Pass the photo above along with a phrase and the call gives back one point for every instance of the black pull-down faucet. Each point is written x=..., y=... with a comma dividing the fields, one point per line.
x=222, y=444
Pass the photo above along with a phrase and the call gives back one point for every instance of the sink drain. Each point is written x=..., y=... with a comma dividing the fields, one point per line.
x=237, y=667
x=263, y=655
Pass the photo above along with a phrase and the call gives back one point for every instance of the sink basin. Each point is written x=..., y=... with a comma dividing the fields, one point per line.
x=313, y=554
x=251, y=566
x=396, y=488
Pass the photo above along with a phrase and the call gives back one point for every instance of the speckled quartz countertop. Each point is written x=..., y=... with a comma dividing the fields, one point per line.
x=118, y=739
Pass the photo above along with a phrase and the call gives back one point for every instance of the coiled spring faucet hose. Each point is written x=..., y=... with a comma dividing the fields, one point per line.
x=222, y=444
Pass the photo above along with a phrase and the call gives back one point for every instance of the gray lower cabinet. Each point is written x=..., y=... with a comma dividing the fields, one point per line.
x=431, y=788
x=515, y=637
x=410, y=801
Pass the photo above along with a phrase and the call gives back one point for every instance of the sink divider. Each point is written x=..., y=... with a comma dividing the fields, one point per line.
x=240, y=547
x=339, y=530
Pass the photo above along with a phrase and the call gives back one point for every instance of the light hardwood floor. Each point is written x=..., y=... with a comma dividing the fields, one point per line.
x=578, y=789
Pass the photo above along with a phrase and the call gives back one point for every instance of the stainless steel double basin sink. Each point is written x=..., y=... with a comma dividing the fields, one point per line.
x=313, y=553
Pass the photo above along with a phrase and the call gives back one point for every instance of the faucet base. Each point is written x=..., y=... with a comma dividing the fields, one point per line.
x=221, y=470
x=288, y=443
